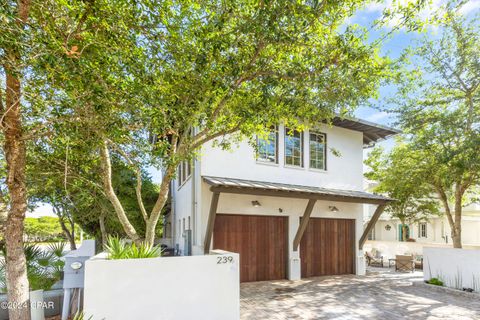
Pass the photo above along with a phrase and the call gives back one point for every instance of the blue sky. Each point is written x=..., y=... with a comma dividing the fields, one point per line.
x=392, y=47
x=395, y=45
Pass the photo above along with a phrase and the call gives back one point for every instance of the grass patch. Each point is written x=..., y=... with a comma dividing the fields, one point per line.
x=435, y=282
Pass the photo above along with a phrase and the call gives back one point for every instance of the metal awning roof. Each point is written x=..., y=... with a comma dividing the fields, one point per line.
x=274, y=189
x=372, y=132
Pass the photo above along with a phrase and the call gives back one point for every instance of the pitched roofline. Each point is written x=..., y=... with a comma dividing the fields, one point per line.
x=372, y=132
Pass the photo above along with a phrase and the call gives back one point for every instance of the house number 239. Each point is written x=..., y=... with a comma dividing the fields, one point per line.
x=224, y=259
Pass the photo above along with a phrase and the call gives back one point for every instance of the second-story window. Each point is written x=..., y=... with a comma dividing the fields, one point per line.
x=317, y=151
x=267, y=147
x=293, y=148
x=184, y=171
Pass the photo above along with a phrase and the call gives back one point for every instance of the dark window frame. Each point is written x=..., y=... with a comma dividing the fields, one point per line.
x=302, y=148
x=273, y=129
x=185, y=169
x=324, y=149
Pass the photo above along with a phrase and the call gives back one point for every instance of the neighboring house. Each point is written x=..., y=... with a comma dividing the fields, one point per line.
x=435, y=231
x=293, y=209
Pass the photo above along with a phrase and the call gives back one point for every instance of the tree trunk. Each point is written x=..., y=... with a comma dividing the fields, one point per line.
x=3, y=214
x=455, y=225
x=456, y=232
x=112, y=197
x=72, y=233
x=68, y=234
x=404, y=232
x=103, y=230
x=152, y=222
x=62, y=214
x=15, y=155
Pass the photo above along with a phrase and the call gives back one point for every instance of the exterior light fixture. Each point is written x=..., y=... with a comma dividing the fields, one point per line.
x=256, y=204
x=388, y=227
x=333, y=209
x=280, y=210
x=76, y=265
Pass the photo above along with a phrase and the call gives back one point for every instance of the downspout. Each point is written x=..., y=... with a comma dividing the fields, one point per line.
x=196, y=170
x=197, y=233
x=173, y=227
x=194, y=200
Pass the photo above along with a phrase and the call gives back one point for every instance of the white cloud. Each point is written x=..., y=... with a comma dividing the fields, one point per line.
x=469, y=7
x=377, y=7
x=377, y=116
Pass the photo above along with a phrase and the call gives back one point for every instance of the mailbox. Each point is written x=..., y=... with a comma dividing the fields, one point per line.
x=74, y=273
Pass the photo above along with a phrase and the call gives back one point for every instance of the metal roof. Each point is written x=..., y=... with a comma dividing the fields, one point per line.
x=372, y=132
x=231, y=185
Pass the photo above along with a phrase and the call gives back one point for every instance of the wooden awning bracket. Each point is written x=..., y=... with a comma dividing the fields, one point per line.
x=211, y=222
x=378, y=212
x=303, y=224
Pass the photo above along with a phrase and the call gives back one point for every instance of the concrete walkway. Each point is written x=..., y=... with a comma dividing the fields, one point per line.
x=382, y=294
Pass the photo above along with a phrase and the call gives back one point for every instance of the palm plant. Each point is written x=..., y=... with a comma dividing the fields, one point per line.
x=119, y=249
x=44, y=266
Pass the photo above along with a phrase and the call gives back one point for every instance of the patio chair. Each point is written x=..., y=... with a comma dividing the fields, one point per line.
x=404, y=263
x=418, y=262
x=372, y=260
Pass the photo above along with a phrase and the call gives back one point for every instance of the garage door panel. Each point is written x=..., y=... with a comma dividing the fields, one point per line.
x=261, y=242
x=327, y=247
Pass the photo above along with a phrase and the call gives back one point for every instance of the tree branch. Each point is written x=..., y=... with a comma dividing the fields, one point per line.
x=443, y=197
x=162, y=196
x=138, y=176
x=110, y=193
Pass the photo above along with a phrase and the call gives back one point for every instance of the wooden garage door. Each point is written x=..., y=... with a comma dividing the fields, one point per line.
x=261, y=242
x=328, y=247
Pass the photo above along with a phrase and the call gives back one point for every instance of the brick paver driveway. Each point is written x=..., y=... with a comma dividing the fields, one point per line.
x=381, y=294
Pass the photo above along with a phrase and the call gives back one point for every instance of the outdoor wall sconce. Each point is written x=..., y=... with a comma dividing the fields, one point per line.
x=280, y=210
x=333, y=209
x=256, y=204
x=388, y=227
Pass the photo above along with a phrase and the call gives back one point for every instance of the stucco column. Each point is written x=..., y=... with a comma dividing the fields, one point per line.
x=360, y=262
x=294, y=267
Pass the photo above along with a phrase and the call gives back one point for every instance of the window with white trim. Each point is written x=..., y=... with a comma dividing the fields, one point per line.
x=422, y=230
x=293, y=148
x=371, y=234
x=318, y=154
x=267, y=147
x=184, y=171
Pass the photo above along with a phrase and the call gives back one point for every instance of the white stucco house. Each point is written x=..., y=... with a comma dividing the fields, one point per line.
x=435, y=231
x=291, y=210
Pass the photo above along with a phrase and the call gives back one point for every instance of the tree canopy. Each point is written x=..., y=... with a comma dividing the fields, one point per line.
x=438, y=108
x=399, y=177
x=152, y=83
x=149, y=82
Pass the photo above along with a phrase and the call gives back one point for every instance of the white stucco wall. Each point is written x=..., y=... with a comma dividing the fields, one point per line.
x=457, y=268
x=291, y=208
x=387, y=235
x=182, y=195
x=344, y=172
x=168, y=288
x=437, y=229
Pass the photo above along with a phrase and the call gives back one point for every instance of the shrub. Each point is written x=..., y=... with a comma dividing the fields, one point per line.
x=435, y=281
x=44, y=265
x=119, y=249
